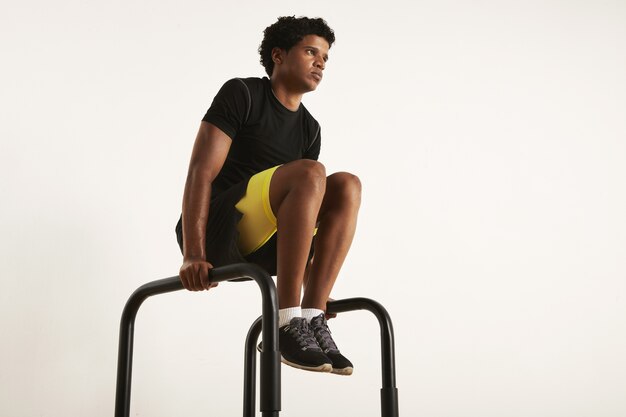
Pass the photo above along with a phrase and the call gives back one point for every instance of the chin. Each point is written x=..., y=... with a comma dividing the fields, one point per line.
x=311, y=87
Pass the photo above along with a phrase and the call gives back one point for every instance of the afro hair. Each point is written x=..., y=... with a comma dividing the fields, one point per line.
x=287, y=32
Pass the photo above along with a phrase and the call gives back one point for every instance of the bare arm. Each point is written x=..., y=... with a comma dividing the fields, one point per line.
x=207, y=158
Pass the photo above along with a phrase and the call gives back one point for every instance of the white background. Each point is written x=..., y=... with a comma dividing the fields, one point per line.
x=490, y=138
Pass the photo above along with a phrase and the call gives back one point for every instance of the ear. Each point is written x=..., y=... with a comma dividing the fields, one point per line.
x=278, y=55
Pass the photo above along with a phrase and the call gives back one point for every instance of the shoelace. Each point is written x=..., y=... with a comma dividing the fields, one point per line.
x=322, y=333
x=303, y=334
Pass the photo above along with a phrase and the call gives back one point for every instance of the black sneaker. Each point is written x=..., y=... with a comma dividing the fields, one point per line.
x=341, y=364
x=298, y=347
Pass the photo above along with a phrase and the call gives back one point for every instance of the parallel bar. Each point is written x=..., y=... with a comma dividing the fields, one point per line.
x=388, y=393
x=127, y=330
x=270, y=363
x=387, y=350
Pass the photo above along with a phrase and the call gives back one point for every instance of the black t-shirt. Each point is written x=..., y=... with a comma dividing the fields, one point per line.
x=264, y=133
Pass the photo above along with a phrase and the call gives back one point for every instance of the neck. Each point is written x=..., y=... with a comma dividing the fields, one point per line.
x=291, y=100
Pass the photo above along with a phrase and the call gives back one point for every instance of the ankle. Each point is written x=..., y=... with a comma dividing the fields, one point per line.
x=309, y=313
x=286, y=314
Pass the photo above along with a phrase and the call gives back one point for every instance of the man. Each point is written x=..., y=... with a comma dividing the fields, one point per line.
x=256, y=193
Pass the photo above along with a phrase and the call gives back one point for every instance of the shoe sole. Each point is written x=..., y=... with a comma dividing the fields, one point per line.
x=327, y=367
x=344, y=371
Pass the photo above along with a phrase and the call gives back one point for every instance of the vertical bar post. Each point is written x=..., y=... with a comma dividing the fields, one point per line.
x=249, y=373
x=388, y=392
x=270, y=363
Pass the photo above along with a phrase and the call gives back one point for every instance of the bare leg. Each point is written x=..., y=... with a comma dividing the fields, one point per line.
x=296, y=194
x=337, y=225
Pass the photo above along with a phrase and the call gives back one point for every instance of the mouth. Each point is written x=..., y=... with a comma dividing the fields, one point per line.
x=317, y=75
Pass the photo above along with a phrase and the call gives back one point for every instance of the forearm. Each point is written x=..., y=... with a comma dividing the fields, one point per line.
x=196, y=201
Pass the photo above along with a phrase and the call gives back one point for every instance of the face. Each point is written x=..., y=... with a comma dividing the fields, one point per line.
x=302, y=68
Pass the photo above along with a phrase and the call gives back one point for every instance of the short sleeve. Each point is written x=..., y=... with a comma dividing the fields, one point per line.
x=313, y=152
x=230, y=108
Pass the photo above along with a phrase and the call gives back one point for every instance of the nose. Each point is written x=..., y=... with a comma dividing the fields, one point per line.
x=319, y=63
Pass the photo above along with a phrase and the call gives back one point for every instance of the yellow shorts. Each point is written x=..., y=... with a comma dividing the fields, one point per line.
x=258, y=223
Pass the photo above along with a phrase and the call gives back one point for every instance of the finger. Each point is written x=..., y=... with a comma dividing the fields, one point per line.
x=183, y=279
x=197, y=279
x=205, y=277
x=209, y=284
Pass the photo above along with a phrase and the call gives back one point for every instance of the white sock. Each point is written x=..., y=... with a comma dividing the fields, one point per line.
x=286, y=314
x=309, y=313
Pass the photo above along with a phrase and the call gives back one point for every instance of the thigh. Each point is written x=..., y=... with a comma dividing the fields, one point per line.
x=301, y=173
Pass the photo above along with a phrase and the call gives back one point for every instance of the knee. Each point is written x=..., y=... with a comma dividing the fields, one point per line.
x=346, y=187
x=309, y=175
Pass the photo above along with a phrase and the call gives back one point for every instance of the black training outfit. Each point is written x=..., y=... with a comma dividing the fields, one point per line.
x=264, y=134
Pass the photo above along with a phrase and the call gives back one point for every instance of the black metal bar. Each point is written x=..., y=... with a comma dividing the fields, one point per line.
x=270, y=362
x=386, y=332
x=388, y=392
x=249, y=372
x=249, y=380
